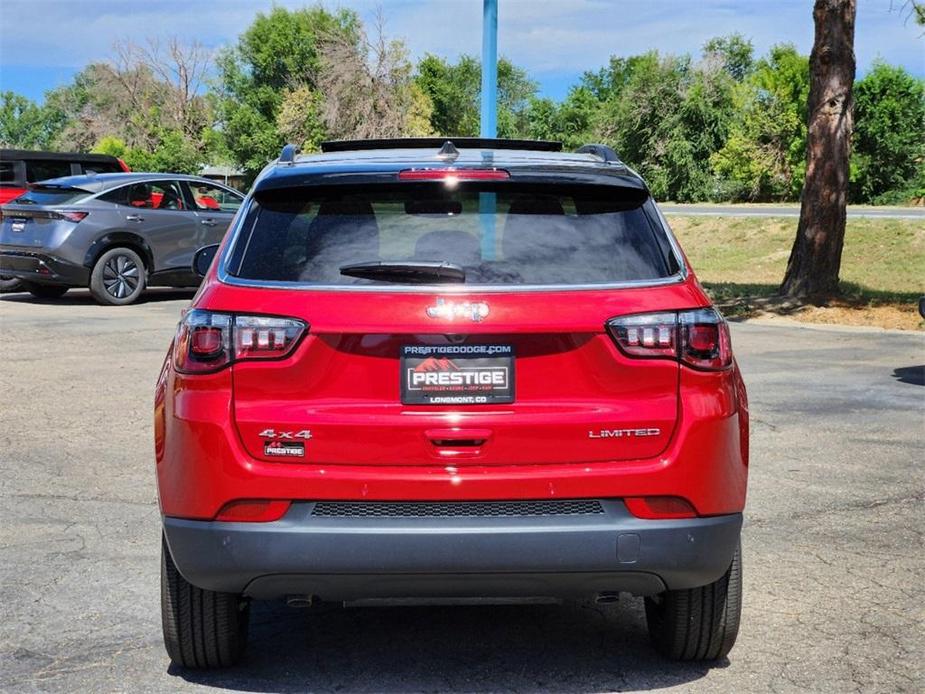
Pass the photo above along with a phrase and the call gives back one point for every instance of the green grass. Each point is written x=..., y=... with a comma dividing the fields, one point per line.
x=883, y=260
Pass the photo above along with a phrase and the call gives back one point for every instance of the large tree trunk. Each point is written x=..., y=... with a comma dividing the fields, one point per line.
x=812, y=271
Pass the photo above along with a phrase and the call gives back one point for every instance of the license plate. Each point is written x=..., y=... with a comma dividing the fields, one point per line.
x=457, y=374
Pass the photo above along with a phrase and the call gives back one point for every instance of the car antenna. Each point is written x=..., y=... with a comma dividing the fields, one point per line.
x=448, y=152
x=289, y=153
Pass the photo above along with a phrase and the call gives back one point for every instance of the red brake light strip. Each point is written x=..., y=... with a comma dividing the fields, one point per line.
x=453, y=175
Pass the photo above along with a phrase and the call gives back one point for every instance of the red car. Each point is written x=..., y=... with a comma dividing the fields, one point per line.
x=478, y=368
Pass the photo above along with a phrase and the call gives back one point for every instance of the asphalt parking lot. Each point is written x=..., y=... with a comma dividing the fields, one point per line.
x=833, y=548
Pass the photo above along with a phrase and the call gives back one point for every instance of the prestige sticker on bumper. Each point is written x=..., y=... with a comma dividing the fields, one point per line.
x=284, y=449
x=457, y=374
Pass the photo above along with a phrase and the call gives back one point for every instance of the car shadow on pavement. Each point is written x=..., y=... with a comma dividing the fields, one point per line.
x=914, y=375
x=82, y=297
x=575, y=647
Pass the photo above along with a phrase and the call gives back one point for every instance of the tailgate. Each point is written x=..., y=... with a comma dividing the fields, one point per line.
x=570, y=395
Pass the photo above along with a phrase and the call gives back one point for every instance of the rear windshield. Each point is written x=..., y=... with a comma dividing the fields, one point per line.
x=43, y=169
x=7, y=173
x=499, y=234
x=50, y=196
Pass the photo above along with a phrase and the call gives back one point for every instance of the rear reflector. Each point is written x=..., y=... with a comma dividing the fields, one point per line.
x=206, y=342
x=659, y=507
x=253, y=511
x=452, y=175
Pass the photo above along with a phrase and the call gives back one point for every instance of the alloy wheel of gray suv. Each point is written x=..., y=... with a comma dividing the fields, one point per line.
x=118, y=277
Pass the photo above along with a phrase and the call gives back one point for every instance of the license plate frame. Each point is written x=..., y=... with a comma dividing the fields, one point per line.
x=457, y=375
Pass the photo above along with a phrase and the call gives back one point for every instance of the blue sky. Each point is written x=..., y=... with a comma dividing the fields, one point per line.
x=44, y=42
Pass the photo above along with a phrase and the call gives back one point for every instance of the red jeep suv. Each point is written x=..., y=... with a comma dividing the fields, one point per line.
x=450, y=369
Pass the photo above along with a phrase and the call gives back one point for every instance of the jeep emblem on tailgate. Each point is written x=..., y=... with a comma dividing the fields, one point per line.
x=450, y=310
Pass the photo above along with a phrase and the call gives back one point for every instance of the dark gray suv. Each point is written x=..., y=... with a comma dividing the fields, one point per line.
x=114, y=233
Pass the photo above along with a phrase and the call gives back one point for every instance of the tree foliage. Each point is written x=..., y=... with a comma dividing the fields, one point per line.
x=367, y=88
x=764, y=156
x=734, y=53
x=148, y=98
x=275, y=59
x=454, y=90
x=23, y=123
x=666, y=116
x=888, y=161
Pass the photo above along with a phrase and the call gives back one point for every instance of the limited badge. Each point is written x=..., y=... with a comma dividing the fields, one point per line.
x=284, y=449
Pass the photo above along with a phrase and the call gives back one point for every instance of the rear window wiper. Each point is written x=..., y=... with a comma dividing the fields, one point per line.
x=406, y=272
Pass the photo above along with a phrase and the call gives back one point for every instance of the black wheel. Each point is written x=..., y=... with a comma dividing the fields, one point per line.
x=118, y=277
x=45, y=291
x=9, y=284
x=699, y=623
x=202, y=628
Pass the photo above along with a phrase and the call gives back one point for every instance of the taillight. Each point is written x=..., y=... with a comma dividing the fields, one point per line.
x=71, y=215
x=650, y=335
x=697, y=338
x=208, y=341
x=262, y=337
x=450, y=175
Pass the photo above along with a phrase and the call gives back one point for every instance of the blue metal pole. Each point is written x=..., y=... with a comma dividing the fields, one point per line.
x=488, y=126
x=489, y=119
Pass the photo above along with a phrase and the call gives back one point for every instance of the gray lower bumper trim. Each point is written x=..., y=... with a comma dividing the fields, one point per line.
x=350, y=558
x=42, y=269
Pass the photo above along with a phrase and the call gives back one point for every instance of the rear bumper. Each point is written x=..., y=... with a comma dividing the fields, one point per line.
x=42, y=269
x=348, y=557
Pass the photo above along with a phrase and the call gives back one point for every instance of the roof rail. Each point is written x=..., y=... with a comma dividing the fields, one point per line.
x=603, y=151
x=287, y=156
x=438, y=142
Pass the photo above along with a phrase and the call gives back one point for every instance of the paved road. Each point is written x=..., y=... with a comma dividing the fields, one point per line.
x=835, y=569
x=785, y=211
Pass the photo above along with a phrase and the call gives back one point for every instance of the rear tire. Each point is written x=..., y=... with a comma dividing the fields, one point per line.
x=118, y=277
x=45, y=291
x=699, y=623
x=202, y=628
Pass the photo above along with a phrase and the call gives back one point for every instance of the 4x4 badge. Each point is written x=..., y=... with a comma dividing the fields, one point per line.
x=274, y=434
x=451, y=310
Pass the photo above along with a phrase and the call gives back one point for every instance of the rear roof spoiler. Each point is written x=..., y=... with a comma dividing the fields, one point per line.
x=51, y=185
x=13, y=154
x=438, y=142
x=605, y=153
